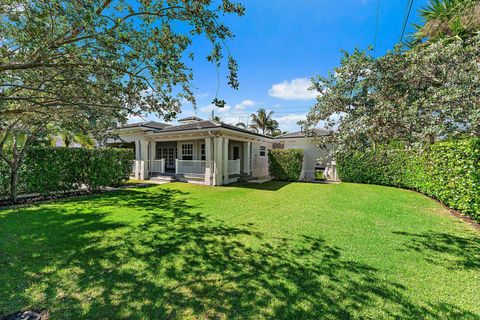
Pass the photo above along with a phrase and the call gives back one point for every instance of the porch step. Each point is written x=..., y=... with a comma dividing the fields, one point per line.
x=169, y=178
x=244, y=177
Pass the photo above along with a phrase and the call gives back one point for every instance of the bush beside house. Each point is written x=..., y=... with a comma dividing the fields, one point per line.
x=448, y=171
x=48, y=170
x=285, y=164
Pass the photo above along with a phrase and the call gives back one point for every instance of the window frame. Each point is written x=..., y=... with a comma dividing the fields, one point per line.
x=263, y=151
x=187, y=151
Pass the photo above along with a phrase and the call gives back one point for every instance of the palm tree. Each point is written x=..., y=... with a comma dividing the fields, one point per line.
x=272, y=128
x=216, y=118
x=447, y=19
x=262, y=119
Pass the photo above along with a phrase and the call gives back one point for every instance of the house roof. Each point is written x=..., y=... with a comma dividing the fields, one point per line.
x=303, y=134
x=158, y=127
x=148, y=124
x=190, y=119
x=209, y=124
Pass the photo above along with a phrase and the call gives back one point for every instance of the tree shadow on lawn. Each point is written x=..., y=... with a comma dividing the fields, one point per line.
x=464, y=252
x=270, y=185
x=178, y=262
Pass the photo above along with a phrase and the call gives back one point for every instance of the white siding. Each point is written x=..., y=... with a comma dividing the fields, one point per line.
x=312, y=155
x=260, y=163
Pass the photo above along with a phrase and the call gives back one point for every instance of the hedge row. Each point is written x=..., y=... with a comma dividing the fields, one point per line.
x=448, y=171
x=285, y=164
x=51, y=169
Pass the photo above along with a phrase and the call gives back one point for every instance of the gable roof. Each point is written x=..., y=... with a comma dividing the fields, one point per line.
x=157, y=127
x=303, y=134
x=210, y=124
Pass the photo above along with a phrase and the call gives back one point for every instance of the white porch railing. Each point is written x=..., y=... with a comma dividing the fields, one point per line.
x=134, y=168
x=192, y=166
x=156, y=166
x=234, y=166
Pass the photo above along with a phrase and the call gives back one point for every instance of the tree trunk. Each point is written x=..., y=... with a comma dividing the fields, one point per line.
x=14, y=182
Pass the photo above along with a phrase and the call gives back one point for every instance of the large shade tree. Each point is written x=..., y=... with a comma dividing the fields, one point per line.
x=417, y=96
x=84, y=66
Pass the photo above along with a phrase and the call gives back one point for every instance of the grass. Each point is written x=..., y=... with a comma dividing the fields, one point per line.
x=276, y=250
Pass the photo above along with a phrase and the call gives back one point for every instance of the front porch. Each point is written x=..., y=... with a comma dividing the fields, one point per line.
x=211, y=160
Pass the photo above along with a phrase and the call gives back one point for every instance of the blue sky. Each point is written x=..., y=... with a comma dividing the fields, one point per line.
x=280, y=44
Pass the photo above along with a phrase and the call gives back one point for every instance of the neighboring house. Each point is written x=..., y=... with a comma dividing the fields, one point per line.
x=195, y=150
x=314, y=158
x=204, y=151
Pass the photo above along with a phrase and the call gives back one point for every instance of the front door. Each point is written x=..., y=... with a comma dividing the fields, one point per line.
x=236, y=153
x=168, y=153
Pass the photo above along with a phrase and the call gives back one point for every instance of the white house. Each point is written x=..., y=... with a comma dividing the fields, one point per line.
x=196, y=150
x=313, y=157
x=203, y=151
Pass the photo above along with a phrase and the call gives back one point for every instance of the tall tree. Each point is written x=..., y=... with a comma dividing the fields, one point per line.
x=416, y=96
x=87, y=65
x=261, y=120
x=447, y=19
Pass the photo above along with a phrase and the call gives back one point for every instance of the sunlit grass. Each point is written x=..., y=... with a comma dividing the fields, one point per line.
x=274, y=250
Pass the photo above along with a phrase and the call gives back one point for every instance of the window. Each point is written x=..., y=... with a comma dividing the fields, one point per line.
x=202, y=152
x=262, y=151
x=187, y=151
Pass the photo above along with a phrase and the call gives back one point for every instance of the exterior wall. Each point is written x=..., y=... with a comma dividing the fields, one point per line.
x=312, y=156
x=259, y=164
x=231, y=146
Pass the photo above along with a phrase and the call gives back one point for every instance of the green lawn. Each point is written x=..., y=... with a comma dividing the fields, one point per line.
x=278, y=251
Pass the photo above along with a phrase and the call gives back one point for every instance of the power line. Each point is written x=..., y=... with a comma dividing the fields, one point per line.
x=376, y=30
x=405, y=20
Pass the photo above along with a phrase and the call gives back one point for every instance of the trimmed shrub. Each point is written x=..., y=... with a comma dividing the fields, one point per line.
x=54, y=169
x=448, y=171
x=285, y=164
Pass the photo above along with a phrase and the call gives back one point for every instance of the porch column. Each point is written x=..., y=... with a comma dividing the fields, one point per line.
x=218, y=156
x=137, y=149
x=153, y=150
x=144, y=144
x=137, y=160
x=208, y=159
x=246, y=157
x=225, y=160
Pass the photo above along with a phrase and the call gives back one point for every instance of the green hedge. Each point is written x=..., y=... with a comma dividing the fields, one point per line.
x=52, y=169
x=448, y=171
x=285, y=164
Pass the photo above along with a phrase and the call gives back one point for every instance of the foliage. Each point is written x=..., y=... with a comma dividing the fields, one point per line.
x=85, y=66
x=49, y=169
x=413, y=97
x=262, y=120
x=105, y=58
x=448, y=171
x=274, y=250
x=447, y=19
x=285, y=164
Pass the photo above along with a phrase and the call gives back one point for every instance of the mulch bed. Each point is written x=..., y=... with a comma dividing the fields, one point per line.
x=37, y=198
x=27, y=315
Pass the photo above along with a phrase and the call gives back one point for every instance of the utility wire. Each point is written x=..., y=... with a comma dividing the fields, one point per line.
x=407, y=15
x=376, y=30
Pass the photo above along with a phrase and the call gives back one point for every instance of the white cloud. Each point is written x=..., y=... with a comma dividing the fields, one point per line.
x=297, y=89
x=211, y=107
x=290, y=120
x=244, y=104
